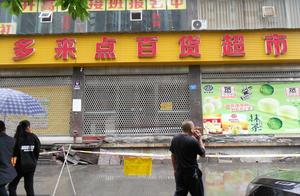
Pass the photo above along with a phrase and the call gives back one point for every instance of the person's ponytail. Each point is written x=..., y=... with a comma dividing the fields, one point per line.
x=21, y=129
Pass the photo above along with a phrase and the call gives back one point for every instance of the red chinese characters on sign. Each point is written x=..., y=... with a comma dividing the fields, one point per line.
x=29, y=6
x=177, y=3
x=135, y=4
x=106, y=49
x=96, y=4
x=114, y=4
x=189, y=46
x=156, y=4
x=48, y=5
x=5, y=28
x=147, y=46
x=276, y=43
x=65, y=48
x=23, y=49
x=233, y=45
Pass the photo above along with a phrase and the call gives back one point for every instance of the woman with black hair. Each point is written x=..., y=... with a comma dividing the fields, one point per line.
x=26, y=151
x=7, y=171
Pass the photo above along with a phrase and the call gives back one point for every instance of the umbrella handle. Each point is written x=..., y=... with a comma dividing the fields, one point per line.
x=4, y=118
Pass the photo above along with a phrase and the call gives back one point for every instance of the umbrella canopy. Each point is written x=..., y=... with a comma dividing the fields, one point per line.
x=17, y=103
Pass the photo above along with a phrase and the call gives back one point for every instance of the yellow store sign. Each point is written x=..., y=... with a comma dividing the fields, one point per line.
x=150, y=49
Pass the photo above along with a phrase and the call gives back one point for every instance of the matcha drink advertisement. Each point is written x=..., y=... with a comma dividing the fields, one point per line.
x=251, y=108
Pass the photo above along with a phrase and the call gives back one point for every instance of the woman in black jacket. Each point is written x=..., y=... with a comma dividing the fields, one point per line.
x=7, y=171
x=26, y=151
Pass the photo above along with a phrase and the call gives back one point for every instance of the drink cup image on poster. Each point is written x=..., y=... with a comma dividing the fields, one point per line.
x=251, y=108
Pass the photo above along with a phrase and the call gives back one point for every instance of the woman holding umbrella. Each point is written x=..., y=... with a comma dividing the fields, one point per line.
x=7, y=171
x=26, y=151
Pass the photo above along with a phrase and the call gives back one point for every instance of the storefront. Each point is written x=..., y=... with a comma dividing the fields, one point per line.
x=147, y=84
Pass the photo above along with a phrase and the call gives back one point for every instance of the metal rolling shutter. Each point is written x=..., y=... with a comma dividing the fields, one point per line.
x=130, y=105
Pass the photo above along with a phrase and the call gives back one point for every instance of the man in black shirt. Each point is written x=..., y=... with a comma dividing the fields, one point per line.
x=185, y=147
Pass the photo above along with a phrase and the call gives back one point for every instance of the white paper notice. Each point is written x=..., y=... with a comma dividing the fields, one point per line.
x=76, y=105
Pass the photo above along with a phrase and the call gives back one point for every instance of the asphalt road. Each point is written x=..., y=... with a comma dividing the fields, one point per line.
x=227, y=179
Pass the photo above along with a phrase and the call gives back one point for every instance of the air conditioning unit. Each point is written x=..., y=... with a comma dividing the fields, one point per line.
x=199, y=25
x=46, y=17
x=136, y=15
x=268, y=11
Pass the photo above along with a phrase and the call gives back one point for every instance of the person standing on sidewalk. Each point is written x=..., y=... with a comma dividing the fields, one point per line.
x=185, y=147
x=26, y=151
x=7, y=171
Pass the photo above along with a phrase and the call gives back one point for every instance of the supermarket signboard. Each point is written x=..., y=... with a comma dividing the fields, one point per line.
x=251, y=108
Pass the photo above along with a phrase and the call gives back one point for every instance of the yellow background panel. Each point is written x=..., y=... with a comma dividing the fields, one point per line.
x=167, y=50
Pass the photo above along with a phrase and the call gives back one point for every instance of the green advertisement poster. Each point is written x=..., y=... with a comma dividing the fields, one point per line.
x=251, y=108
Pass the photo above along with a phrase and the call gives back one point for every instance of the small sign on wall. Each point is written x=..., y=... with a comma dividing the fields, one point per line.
x=193, y=87
x=76, y=106
x=166, y=106
x=77, y=85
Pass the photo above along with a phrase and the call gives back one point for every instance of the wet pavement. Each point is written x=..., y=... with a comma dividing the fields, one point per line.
x=226, y=179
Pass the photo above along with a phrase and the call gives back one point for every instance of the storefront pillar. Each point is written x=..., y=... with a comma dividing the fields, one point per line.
x=77, y=94
x=195, y=94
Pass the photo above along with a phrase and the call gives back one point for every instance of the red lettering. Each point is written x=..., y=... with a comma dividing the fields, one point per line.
x=276, y=43
x=147, y=46
x=136, y=4
x=233, y=45
x=96, y=4
x=106, y=49
x=48, y=5
x=29, y=4
x=114, y=4
x=158, y=4
x=5, y=29
x=23, y=49
x=65, y=48
x=189, y=46
x=176, y=3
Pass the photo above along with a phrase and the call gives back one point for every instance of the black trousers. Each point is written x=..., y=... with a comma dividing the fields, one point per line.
x=189, y=181
x=28, y=184
x=3, y=191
